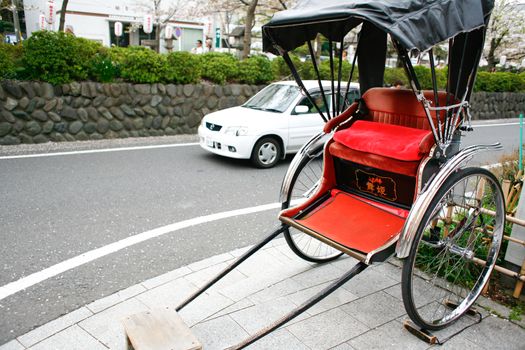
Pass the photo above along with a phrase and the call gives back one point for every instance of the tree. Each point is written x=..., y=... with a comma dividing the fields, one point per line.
x=226, y=11
x=163, y=14
x=13, y=6
x=266, y=9
x=250, y=13
x=63, y=15
x=249, y=22
x=506, y=32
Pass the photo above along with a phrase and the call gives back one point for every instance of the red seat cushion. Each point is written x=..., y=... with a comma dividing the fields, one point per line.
x=393, y=141
x=373, y=160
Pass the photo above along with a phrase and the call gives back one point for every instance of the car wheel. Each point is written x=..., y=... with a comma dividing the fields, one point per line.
x=266, y=152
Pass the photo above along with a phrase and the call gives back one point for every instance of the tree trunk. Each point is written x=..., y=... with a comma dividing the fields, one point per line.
x=491, y=59
x=16, y=21
x=157, y=38
x=250, y=18
x=63, y=16
x=318, y=49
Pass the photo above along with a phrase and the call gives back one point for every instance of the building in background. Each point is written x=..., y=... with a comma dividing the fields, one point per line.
x=95, y=20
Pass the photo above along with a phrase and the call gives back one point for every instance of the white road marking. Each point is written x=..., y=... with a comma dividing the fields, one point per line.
x=487, y=125
x=133, y=148
x=37, y=277
x=103, y=150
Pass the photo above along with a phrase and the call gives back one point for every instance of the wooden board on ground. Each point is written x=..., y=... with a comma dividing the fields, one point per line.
x=159, y=329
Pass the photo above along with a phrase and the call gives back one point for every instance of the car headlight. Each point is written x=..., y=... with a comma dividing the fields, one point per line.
x=236, y=130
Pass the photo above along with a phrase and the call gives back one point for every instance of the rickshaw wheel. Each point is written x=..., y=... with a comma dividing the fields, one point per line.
x=444, y=273
x=303, y=185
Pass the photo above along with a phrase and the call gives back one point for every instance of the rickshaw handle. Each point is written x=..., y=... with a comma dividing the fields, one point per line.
x=232, y=266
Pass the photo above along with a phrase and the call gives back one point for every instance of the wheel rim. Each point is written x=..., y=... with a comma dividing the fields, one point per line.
x=267, y=153
x=447, y=276
x=304, y=187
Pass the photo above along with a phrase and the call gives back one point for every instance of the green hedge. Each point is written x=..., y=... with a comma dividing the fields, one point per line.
x=219, y=67
x=395, y=76
x=60, y=58
x=307, y=71
x=183, y=68
x=485, y=81
x=103, y=68
x=255, y=70
x=500, y=82
x=9, y=59
x=142, y=65
x=57, y=57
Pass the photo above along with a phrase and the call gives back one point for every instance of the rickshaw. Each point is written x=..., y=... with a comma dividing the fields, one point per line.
x=387, y=176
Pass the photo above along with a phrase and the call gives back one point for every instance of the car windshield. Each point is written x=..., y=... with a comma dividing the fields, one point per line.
x=274, y=98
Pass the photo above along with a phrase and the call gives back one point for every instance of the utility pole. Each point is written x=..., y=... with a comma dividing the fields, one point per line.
x=18, y=32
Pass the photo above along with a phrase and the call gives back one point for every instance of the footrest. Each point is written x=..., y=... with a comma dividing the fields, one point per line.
x=352, y=222
x=422, y=334
x=159, y=329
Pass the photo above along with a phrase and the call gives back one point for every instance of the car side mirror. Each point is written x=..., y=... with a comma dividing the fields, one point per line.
x=301, y=109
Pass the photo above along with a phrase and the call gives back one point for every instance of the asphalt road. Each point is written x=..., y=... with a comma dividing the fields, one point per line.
x=55, y=208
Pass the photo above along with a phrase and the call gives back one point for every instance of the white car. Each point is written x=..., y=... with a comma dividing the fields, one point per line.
x=275, y=122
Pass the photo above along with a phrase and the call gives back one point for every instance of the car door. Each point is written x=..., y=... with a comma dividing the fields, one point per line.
x=305, y=121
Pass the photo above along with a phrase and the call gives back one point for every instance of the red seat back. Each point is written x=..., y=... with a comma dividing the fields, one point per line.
x=399, y=107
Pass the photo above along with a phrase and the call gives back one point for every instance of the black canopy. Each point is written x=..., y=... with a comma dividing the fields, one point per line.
x=415, y=24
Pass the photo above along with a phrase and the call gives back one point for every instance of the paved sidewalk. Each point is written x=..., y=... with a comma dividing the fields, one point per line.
x=366, y=313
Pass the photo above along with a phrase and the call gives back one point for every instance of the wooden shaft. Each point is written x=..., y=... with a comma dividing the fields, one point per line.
x=507, y=217
x=502, y=270
x=505, y=187
x=508, y=238
x=519, y=283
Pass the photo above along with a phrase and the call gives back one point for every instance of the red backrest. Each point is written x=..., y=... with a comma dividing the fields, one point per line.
x=399, y=107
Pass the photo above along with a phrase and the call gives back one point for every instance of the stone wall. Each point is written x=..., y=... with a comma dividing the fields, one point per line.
x=497, y=105
x=33, y=112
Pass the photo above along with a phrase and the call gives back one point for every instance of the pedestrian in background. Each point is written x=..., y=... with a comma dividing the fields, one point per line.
x=198, y=49
x=70, y=30
x=208, y=45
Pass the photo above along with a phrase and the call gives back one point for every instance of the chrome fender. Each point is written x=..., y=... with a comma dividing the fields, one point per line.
x=422, y=202
x=306, y=151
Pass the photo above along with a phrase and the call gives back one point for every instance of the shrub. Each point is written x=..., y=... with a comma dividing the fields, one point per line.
x=500, y=82
x=183, y=68
x=255, y=70
x=143, y=65
x=102, y=68
x=9, y=60
x=424, y=77
x=219, y=67
x=325, y=70
x=280, y=68
x=57, y=57
x=394, y=76
x=117, y=54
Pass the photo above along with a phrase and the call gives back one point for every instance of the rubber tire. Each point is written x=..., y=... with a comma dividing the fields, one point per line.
x=255, y=152
x=408, y=264
x=287, y=234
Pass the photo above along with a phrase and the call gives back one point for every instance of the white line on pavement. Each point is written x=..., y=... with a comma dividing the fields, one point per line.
x=487, y=125
x=133, y=148
x=103, y=150
x=37, y=277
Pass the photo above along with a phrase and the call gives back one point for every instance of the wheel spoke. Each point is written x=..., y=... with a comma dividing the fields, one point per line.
x=304, y=185
x=453, y=232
